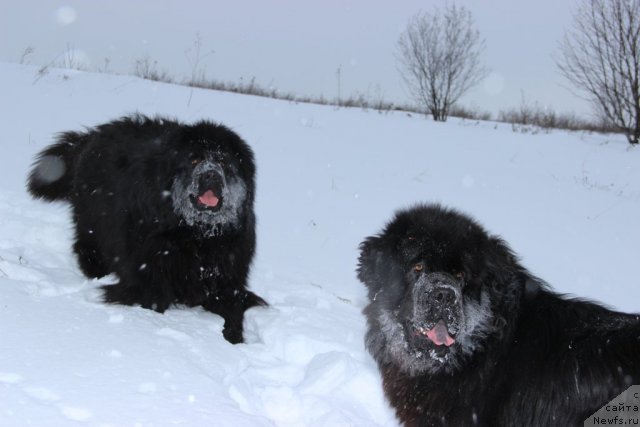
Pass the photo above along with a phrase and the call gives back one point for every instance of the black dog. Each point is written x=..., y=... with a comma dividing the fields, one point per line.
x=167, y=207
x=464, y=335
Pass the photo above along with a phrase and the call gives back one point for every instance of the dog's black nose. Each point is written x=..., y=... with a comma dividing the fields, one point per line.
x=211, y=175
x=210, y=179
x=443, y=295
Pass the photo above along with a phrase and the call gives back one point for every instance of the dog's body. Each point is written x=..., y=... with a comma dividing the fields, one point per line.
x=464, y=335
x=167, y=207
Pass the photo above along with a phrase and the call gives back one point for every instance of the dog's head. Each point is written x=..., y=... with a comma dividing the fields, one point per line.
x=213, y=187
x=439, y=288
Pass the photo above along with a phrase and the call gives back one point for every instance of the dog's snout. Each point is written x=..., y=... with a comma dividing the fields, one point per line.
x=209, y=177
x=437, y=290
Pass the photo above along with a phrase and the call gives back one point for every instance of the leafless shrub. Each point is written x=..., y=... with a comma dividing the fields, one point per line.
x=71, y=60
x=532, y=118
x=26, y=53
x=439, y=57
x=105, y=67
x=469, y=113
x=600, y=56
x=148, y=69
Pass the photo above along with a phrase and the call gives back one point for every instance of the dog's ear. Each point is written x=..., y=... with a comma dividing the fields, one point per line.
x=374, y=263
x=377, y=264
x=505, y=275
x=499, y=257
x=503, y=259
x=368, y=260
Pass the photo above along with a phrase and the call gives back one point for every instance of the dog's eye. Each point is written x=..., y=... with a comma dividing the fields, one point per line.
x=460, y=275
x=194, y=162
x=418, y=267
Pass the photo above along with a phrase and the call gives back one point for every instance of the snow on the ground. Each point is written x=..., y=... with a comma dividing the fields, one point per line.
x=327, y=177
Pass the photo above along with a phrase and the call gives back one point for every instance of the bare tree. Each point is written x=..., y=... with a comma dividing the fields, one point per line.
x=439, y=58
x=601, y=57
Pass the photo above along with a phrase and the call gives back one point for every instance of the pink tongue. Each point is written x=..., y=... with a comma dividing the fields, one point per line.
x=208, y=198
x=440, y=335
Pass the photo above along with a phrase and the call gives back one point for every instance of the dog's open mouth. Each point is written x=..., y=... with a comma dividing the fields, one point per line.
x=207, y=200
x=438, y=334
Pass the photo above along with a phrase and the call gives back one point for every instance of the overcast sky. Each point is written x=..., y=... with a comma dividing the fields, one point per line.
x=293, y=45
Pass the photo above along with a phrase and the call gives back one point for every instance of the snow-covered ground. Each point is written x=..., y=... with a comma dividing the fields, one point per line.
x=569, y=204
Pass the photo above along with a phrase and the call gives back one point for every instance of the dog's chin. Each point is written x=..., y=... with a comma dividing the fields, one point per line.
x=410, y=351
x=430, y=341
x=430, y=360
x=421, y=344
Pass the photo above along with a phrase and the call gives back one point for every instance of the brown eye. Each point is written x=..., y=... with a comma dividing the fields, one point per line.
x=460, y=275
x=195, y=161
x=418, y=267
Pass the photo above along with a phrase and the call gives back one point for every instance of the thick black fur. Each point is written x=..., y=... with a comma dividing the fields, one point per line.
x=133, y=185
x=523, y=355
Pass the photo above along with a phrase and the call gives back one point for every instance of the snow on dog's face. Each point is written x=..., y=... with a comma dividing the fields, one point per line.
x=434, y=297
x=211, y=192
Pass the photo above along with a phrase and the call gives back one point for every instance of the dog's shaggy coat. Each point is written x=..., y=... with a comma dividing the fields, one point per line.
x=166, y=206
x=463, y=335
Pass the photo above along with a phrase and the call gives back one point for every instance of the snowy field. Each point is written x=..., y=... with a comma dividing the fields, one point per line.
x=569, y=204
